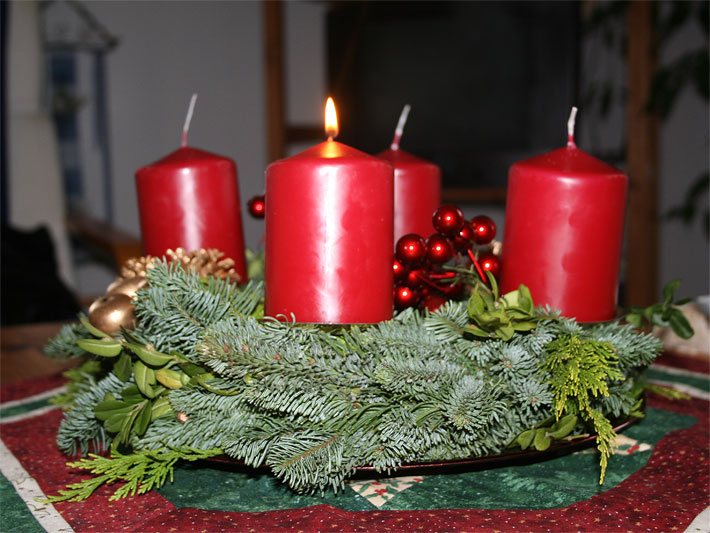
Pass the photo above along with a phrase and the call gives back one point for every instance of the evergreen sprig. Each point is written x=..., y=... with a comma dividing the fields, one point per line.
x=140, y=472
x=580, y=371
x=63, y=345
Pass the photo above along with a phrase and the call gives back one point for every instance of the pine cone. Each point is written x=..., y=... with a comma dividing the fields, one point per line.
x=205, y=262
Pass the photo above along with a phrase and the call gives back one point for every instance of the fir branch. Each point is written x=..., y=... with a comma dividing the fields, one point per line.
x=63, y=345
x=177, y=306
x=623, y=400
x=448, y=322
x=80, y=430
x=140, y=471
x=310, y=460
x=514, y=362
x=635, y=350
x=532, y=396
x=417, y=379
x=80, y=379
x=472, y=407
x=402, y=437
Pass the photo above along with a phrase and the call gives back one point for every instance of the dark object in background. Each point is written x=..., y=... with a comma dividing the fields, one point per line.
x=30, y=288
x=490, y=83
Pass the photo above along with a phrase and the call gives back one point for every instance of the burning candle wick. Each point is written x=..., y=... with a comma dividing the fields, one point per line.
x=188, y=119
x=331, y=120
x=400, y=127
x=570, y=128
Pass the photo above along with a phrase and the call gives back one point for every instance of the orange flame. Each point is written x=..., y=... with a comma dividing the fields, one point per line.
x=331, y=119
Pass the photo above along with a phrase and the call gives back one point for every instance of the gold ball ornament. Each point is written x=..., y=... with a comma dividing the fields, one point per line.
x=127, y=286
x=112, y=312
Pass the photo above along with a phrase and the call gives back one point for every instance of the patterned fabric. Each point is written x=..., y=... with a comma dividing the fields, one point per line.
x=657, y=481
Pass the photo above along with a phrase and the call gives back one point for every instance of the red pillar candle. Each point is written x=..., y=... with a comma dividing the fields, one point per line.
x=417, y=187
x=190, y=199
x=329, y=224
x=563, y=231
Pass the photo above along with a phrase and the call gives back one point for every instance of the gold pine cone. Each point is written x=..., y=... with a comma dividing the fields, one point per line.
x=209, y=262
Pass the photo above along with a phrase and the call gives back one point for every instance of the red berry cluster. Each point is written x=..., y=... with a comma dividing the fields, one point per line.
x=419, y=280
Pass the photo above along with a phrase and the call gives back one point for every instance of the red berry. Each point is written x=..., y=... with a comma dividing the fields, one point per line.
x=490, y=263
x=464, y=238
x=411, y=249
x=257, y=206
x=405, y=297
x=448, y=220
x=415, y=278
x=399, y=270
x=484, y=229
x=439, y=249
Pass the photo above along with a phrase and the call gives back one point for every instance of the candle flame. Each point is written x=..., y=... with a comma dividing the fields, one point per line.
x=331, y=119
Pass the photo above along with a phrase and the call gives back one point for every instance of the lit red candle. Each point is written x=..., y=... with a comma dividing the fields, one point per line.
x=417, y=187
x=329, y=226
x=564, y=225
x=190, y=199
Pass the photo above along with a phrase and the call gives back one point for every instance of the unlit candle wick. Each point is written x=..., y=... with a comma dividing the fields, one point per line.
x=188, y=118
x=400, y=127
x=570, y=127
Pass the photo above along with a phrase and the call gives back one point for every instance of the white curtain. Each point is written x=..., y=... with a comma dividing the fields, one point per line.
x=35, y=192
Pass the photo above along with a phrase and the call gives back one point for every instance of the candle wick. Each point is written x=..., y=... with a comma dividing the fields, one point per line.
x=570, y=128
x=188, y=119
x=400, y=127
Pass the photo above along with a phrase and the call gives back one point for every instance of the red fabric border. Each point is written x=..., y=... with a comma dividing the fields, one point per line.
x=694, y=364
x=29, y=387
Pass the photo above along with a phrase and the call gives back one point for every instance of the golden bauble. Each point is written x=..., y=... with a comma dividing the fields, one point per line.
x=111, y=313
x=127, y=286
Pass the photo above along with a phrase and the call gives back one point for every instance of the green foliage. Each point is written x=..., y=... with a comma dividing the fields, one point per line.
x=117, y=407
x=580, y=370
x=493, y=316
x=80, y=430
x=176, y=307
x=663, y=314
x=541, y=437
x=635, y=350
x=88, y=370
x=64, y=344
x=202, y=372
x=140, y=472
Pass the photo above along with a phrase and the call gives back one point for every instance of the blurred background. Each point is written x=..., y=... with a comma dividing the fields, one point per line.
x=91, y=91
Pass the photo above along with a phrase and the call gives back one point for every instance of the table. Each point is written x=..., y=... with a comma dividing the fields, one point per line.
x=657, y=482
x=21, y=354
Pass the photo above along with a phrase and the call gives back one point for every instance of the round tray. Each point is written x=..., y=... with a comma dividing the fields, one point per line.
x=506, y=458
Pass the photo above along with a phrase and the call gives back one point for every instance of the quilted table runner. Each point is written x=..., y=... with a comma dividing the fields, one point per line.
x=657, y=481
